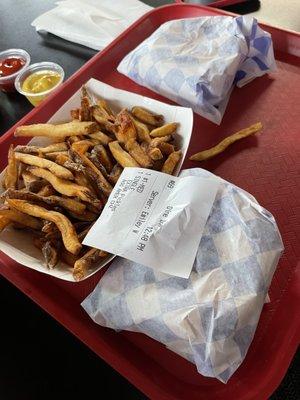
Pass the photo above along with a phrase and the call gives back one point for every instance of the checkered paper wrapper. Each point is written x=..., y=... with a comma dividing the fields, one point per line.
x=196, y=61
x=210, y=318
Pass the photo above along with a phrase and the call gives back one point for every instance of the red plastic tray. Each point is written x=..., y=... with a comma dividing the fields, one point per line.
x=267, y=166
x=219, y=3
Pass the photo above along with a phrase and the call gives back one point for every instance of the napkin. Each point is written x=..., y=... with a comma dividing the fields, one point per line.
x=196, y=61
x=209, y=319
x=91, y=23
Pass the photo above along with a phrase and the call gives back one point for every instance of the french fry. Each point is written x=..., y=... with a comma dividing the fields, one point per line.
x=85, y=111
x=86, y=216
x=11, y=172
x=82, y=146
x=56, y=169
x=166, y=148
x=63, y=186
x=21, y=218
x=4, y=222
x=50, y=250
x=155, y=154
x=46, y=191
x=68, y=257
x=52, y=156
x=103, y=104
x=102, y=155
x=61, y=159
x=59, y=131
x=115, y=174
x=55, y=147
x=121, y=156
x=142, y=131
x=32, y=183
x=125, y=127
x=147, y=116
x=136, y=151
x=101, y=137
x=165, y=130
x=171, y=162
x=220, y=147
x=82, y=265
x=75, y=114
x=162, y=139
x=68, y=233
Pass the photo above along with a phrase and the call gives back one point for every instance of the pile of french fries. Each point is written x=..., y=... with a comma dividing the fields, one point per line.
x=58, y=191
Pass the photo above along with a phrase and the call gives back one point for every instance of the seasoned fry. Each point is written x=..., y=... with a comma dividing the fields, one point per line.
x=115, y=174
x=166, y=148
x=103, y=156
x=164, y=130
x=56, y=169
x=125, y=127
x=171, y=162
x=57, y=131
x=4, y=222
x=63, y=186
x=142, y=131
x=147, y=116
x=136, y=151
x=64, y=202
x=21, y=218
x=101, y=137
x=55, y=147
x=69, y=235
x=11, y=172
x=155, y=154
x=212, y=152
x=121, y=156
x=82, y=265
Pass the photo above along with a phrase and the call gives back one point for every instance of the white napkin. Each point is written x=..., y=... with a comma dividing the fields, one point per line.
x=92, y=23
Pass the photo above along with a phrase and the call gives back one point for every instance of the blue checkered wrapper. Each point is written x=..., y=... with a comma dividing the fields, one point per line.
x=210, y=318
x=196, y=61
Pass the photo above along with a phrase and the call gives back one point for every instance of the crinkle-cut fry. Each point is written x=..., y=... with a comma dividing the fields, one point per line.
x=121, y=156
x=101, y=137
x=171, y=162
x=143, y=132
x=125, y=127
x=103, y=156
x=11, y=172
x=55, y=147
x=147, y=116
x=60, y=131
x=46, y=191
x=115, y=174
x=4, y=222
x=137, y=152
x=220, y=147
x=156, y=141
x=82, y=146
x=68, y=233
x=82, y=265
x=56, y=169
x=32, y=183
x=17, y=216
x=105, y=185
x=63, y=186
x=52, y=200
x=166, y=148
x=155, y=154
x=165, y=130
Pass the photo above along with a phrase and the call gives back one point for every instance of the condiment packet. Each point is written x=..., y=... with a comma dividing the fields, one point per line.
x=155, y=219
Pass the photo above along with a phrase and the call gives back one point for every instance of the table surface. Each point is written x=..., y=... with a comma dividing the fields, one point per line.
x=16, y=32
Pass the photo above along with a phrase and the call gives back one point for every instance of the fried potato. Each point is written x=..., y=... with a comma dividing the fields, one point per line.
x=103, y=119
x=52, y=200
x=212, y=152
x=101, y=137
x=21, y=218
x=85, y=113
x=63, y=186
x=68, y=257
x=56, y=169
x=82, y=146
x=11, y=172
x=165, y=130
x=147, y=116
x=115, y=174
x=136, y=151
x=55, y=147
x=103, y=156
x=156, y=141
x=62, y=158
x=166, y=148
x=32, y=183
x=68, y=233
x=125, y=127
x=121, y=156
x=143, y=132
x=57, y=131
x=52, y=156
x=75, y=113
x=82, y=265
x=86, y=216
x=50, y=250
x=155, y=154
x=46, y=191
x=4, y=222
x=103, y=104
x=171, y=162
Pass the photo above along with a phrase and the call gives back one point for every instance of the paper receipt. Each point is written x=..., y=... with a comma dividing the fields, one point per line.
x=155, y=219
